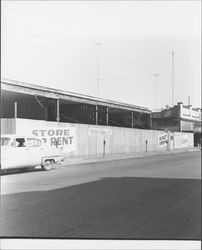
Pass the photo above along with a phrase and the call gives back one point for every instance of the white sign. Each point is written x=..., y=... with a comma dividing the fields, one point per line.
x=163, y=140
x=181, y=140
x=195, y=114
x=185, y=112
x=63, y=138
x=190, y=114
x=100, y=131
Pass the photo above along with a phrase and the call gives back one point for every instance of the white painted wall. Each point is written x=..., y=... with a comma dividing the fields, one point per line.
x=87, y=140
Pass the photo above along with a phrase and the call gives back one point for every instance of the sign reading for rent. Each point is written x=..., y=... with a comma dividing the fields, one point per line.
x=63, y=138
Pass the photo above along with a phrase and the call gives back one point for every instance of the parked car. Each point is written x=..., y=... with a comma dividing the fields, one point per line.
x=24, y=151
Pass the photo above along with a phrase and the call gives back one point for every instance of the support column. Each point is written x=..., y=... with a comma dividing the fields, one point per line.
x=96, y=114
x=46, y=109
x=151, y=121
x=15, y=110
x=180, y=125
x=180, y=114
x=132, y=119
x=58, y=110
x=107, y=116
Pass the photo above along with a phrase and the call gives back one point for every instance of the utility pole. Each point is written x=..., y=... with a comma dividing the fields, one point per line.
x=98, y=68
x=173, y=96
x=156, y=78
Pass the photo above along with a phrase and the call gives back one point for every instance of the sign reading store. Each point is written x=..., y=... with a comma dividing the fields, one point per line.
x=64, y=138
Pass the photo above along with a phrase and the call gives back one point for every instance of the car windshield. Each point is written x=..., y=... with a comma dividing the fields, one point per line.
x=5, y=141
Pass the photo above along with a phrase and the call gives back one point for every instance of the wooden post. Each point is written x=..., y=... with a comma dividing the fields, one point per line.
x=15, y=110
x=58, y=110
x=180, y=125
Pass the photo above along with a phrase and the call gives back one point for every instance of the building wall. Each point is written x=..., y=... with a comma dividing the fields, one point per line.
x=88, y=140
x=166, y=124
x=169, y=112
x=78, y=113
x=32, y=110
x=187, y=125
x=7, y=111
x=167, y=119
x=8, y=126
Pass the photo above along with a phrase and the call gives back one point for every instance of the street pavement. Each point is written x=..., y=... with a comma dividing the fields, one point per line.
x=156, y=197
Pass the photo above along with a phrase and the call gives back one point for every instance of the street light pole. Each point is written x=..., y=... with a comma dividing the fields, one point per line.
x=156, y=78
x=173, y=54
x=98, y=68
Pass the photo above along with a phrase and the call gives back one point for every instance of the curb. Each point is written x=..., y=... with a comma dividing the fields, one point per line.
x=74, y=161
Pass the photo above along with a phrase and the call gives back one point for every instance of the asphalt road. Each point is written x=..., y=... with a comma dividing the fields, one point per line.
x=157, y=197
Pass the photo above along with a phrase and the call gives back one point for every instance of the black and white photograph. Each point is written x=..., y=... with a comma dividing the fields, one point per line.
x=100, y=124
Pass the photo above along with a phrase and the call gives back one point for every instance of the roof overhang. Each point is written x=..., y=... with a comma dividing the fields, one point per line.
x=35, y=90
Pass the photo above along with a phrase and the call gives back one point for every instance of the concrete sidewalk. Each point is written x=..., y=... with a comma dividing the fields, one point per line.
x=101, y=158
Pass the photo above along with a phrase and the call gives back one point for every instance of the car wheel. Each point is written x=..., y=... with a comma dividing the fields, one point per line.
x=48, y=165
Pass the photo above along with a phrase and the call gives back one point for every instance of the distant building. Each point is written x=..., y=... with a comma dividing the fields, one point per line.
x=183, y=118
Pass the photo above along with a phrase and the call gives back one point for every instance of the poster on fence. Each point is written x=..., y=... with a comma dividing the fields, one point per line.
x=163, y=140
x=181, y=140
x=100, y=131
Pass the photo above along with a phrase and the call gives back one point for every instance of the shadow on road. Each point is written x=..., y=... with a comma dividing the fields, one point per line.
x=19, y=171
x=24, y=170
x=110, y=208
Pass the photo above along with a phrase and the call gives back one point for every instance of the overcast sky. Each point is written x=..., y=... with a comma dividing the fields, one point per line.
x=53, y=44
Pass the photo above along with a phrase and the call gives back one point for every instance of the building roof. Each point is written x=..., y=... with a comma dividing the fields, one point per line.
x=36, y=90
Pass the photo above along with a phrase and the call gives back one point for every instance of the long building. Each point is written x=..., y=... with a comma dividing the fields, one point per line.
x=30, y=101
x=82, y=125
